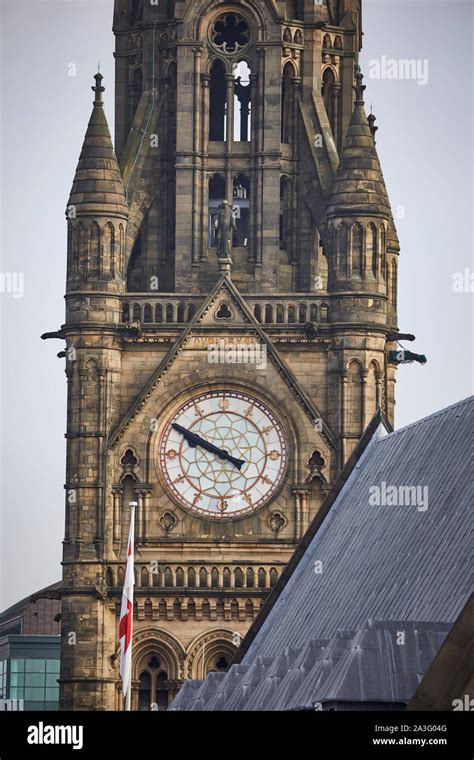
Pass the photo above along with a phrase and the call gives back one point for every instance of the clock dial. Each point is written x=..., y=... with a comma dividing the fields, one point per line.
x=223, y=454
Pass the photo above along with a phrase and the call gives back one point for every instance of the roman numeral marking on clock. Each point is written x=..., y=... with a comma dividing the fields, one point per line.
x=249, y=412
x=266, y=480
x=198, y=410
x=267, y=430
x=274, y=455
x=179, y=479
x=224, y=404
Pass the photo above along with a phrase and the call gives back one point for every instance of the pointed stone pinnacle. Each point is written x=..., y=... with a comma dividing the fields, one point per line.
x=98, y=89
x=359, y=88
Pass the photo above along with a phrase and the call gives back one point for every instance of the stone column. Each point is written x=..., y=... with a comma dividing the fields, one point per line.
x=80, y=458
x=253, y=171
x=117, y=492
x=101, y=469
x=146, y=511
x=260, y=120
x=363, y=380
x=296, y=81
x=229, y=136
x=139, y=514
x=205, y=81
x=336, y=94
x=343, y=415
x=196, y=151
x=378, y=389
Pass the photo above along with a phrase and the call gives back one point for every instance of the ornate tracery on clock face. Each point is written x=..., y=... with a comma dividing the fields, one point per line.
x=223, y=454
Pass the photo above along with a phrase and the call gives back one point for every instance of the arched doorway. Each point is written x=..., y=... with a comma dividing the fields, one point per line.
x=157, y=669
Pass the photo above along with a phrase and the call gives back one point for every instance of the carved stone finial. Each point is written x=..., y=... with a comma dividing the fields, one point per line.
x=359, y=88
x=371, y=119
x=225, y=266
x=98, y=89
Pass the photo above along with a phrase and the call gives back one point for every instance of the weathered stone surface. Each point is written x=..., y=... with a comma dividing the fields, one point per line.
x=144, y=298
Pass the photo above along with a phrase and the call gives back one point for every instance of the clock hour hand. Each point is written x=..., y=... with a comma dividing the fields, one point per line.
x=195, y=440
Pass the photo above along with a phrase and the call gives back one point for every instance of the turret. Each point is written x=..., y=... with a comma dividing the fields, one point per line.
x=361, y=227
x=362, y=279
x=97, y=212
x=97, y=217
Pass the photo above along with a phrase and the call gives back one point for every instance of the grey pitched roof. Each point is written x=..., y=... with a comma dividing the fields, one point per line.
x=450, y=676
x=384, y=569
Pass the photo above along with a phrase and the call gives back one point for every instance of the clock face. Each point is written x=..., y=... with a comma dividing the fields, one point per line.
x=223, y=454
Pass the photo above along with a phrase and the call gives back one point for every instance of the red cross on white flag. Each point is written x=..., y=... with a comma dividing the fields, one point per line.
x=126, y=611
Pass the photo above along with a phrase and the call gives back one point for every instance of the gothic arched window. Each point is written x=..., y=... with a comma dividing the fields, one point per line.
x=179, y=577
x=226, y=578
x=383, y=251
x=144, y=691
x=287, y=95
x=393, y=283
x=153, y=689
x=94, y=249
x=241, y=208
x=354, y=399
x=328, y=94
x=242, y=102
x=217, y=191
x=357, y=243
x=372, y=262
x=108, y=260
x=217, y=108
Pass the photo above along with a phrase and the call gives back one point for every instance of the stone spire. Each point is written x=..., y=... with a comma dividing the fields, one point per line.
x=359, y=186
x=98, y=189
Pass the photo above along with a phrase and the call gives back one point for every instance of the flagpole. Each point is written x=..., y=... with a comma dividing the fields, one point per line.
x=128, y=693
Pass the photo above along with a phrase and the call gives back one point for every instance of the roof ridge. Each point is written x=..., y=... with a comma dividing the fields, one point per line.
x=433, y=415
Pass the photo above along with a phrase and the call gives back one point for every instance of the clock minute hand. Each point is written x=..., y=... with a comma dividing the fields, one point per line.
x=195, y=440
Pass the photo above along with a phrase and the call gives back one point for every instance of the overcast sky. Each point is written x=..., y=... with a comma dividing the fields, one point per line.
x=425, y=145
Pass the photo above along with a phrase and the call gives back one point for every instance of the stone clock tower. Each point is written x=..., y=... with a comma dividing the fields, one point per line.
x=222, y=359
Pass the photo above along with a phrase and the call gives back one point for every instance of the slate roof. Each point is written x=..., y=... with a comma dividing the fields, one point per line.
x=450, y=676
x=331, y=636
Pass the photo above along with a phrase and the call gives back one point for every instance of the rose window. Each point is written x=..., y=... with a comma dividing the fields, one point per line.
x=230, y=33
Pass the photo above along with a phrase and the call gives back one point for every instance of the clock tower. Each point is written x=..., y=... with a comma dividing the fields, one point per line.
x=231, y=291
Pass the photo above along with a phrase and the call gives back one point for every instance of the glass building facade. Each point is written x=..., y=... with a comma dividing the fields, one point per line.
x=29, y=671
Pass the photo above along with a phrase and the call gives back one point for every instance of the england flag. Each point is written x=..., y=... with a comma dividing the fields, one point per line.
x=126, y=611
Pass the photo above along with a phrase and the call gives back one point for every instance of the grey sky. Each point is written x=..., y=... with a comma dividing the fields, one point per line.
x=425, y=145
